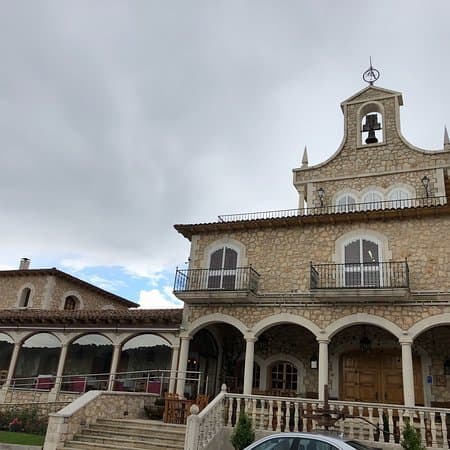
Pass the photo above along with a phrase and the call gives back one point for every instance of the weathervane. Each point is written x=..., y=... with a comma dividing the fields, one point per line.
x=371, y=74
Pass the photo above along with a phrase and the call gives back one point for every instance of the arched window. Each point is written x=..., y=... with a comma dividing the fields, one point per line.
x=38, y=357
x=346, y=203
x=71, y=303
x=361, y=263
x=399, y=198
x=284, y=376
x=89, y=354
x=145, y=352
x=25, y=297
x=222, y=268
x=372, y=200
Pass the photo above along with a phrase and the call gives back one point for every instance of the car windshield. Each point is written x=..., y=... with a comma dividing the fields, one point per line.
x=359, y=446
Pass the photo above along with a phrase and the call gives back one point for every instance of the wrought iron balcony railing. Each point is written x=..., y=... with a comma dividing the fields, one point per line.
x=238, y=279
x=373, y=275
x=338, y=209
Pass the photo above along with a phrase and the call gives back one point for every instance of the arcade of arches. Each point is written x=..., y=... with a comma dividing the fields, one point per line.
x=44, y=356
x=362, y=362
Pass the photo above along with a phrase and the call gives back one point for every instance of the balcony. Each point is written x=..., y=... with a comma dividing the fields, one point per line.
x=205, y=284
x=374, y=279
x=382, y=205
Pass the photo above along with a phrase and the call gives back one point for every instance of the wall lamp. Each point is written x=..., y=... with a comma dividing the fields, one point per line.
x=321, y=194
x=426, y=183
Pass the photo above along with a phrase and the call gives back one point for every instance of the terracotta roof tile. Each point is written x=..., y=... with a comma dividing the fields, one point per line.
x=154, y=317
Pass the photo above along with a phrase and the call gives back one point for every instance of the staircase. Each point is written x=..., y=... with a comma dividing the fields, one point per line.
x=122, y=434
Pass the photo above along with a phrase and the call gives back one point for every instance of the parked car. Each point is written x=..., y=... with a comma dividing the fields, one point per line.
x=305, y=441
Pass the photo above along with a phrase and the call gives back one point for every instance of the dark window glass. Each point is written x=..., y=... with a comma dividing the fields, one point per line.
x=352, y=251
x=25, y=297
x=216, y=260
x=230, y=259
x=70, y=304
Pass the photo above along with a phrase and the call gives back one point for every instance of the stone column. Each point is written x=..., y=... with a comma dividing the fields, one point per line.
x=173, y=368
x=60, y=370
x=323, y=366
x=114, y=364
x=182, y=364
x=301, y=201
x=407, y=371
x=12, y=364
x=248, y=368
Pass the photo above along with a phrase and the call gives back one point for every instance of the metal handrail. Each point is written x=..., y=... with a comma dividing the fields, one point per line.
x=371, y=275
x=136, y=381
x=235, y=279
x=418, y=202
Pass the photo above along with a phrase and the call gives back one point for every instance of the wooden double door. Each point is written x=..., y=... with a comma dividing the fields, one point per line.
x=376, y=377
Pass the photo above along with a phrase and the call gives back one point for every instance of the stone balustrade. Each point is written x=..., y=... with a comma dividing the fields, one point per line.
x=369, y=422
x=202, y=428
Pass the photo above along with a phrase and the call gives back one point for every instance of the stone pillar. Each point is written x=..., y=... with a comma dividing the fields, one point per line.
x=301, y=201
x=407, y=371
x=182, y=365
x=114, y=364
x=12, y=364
x=323, y=366
x=248, y=368
x=60, y=370
x=173, y=368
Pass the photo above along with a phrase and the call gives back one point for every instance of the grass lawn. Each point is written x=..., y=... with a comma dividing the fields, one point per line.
x=9, y=437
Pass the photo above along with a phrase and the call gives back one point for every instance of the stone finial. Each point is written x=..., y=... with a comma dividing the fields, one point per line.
x=446, y=139
x=194, y=410
x=305, y=158
x=223, y=388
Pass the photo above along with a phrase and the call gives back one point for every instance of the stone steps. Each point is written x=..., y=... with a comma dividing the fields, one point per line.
x=127, y=434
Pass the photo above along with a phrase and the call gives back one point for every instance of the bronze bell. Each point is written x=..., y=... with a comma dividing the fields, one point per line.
x=371, y=126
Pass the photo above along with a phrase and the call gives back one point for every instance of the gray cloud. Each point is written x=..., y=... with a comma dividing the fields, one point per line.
x=119, y=119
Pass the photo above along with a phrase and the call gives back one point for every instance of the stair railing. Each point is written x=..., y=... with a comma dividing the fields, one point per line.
x=202, y=427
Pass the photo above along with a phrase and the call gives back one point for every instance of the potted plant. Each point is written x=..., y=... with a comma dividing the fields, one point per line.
x=411, y=438
x=243, y=434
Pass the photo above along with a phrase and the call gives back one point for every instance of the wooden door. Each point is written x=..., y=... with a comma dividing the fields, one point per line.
x=418, y=381
x=391, y=377
x=349, y=377
x=376, y=377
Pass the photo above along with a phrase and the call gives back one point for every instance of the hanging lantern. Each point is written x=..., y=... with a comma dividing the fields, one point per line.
x=447, y=367
x=365, y=344
x=313, y=362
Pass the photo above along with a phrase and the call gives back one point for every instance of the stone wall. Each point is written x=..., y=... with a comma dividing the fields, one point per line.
x=282, y=256
x=92, y=406
x=11, y=286
x=18, y=396
x=360, y=167
x=90, y=299
x=392, y=155
x=49, y=292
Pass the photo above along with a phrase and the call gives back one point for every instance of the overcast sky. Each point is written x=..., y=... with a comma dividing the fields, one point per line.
x=119, y=119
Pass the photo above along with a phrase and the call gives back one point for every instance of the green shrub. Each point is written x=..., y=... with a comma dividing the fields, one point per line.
x=243, y=434
x=29, y=417
x=411, y=438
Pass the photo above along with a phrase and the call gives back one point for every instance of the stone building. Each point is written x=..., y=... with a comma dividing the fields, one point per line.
x=61, y=336
x=350, y=290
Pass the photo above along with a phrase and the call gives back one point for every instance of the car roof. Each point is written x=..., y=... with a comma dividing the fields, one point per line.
x=320, y=437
